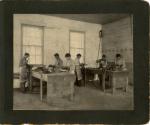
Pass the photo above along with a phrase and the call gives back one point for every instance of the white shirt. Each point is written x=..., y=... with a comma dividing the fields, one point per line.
x=121, y=62
x=71, y=64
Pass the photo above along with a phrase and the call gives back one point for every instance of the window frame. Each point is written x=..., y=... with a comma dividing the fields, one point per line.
x=42, y=45
x=84, y=42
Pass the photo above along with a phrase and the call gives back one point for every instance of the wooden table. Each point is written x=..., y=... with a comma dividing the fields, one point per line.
x=100, y=72
x=58, y=84
x=118, y=79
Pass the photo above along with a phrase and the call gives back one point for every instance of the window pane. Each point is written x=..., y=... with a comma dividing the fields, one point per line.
x=25, y=40
x=32, y=59
x=38, y=60
x=38, y=51
x=74, y=52
x=32, y=50
x=35, y=41
x=82, y=40
x=32, y=35
x=32, y=43
x=26, y=49
x=76, y=40
x=77, y=44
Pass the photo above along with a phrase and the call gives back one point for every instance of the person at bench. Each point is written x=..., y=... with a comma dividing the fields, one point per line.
x=102, y=62
x=69, y=64
x=58, y=62
x=120, y=62
x=102, y=65
x=24, y=72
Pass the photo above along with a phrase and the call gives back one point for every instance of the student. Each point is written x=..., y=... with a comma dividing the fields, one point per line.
x=78, y=69
x=120, y=62
x=24, y=72
x=58, y=61
x=70, y=64
x=102, y=62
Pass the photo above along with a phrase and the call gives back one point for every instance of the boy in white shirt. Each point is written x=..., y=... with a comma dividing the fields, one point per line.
x=69, y=63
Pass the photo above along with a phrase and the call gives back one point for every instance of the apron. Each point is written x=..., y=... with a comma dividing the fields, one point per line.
x=78, y=69
x=23, y=72
x=70, y=63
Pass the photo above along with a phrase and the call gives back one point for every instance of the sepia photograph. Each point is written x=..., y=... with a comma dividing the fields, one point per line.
x=73, y=61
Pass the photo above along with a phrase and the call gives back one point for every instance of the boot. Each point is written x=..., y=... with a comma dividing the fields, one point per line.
x=22, y=87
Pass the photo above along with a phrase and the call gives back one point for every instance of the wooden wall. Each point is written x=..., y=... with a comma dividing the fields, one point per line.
x=117, y=38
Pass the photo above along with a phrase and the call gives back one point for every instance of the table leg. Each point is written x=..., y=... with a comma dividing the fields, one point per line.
x=103, y=82
x=84, y=77
x=113, y=85
x=41, y=88
x=72, y=91
x=30, y=82
x=126, y=85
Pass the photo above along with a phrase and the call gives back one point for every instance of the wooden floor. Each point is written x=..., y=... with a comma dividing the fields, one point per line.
x=86, y=98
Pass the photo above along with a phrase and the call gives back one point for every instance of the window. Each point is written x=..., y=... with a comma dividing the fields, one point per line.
x=77, y=44
x=32, y=39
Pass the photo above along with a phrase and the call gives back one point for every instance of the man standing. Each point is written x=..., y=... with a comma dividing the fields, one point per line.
x=24, y=72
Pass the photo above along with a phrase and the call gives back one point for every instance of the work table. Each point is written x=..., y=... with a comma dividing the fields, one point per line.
x=116, y=78
x=59, y=84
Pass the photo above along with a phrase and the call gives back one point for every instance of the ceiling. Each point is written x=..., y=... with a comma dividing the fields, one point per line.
x=93, y=18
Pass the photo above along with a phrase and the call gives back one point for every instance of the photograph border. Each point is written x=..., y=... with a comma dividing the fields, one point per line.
x=139, y=9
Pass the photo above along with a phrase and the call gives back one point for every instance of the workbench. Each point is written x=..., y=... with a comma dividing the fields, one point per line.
x=118, y=79
x=59, y=85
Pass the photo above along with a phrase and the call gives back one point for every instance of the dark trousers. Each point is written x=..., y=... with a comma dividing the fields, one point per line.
x=22, y=86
